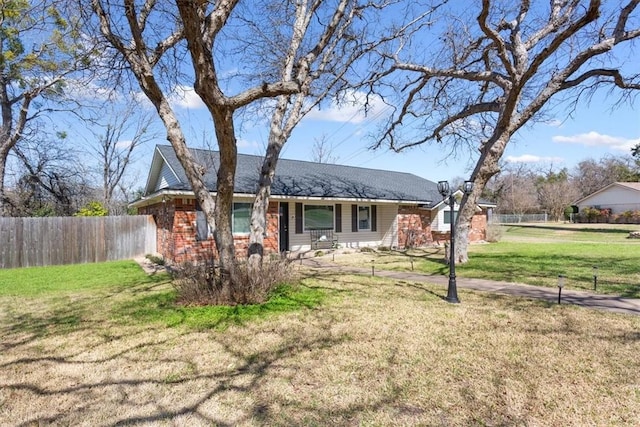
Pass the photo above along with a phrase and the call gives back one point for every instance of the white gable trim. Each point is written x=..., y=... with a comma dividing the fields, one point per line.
x=161, y=174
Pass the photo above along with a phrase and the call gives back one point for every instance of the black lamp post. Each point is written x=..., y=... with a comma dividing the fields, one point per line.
x=445, y=191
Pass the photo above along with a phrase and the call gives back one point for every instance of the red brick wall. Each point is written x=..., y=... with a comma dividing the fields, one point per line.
x=478, y=231
x=414, y=227
x=176, y=232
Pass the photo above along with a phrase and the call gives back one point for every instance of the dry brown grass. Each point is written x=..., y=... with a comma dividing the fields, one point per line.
x=375, y=353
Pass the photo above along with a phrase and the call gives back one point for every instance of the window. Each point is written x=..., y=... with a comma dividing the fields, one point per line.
x=447, y=216
x=317, y=217
x=364, y=217
x=241, y=218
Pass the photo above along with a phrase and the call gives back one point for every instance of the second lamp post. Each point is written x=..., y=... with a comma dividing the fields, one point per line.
x=448, y=194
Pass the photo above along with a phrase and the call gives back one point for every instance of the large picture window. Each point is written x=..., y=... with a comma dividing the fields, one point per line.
x=447, y=216
x=364, y=217
x=318, y=217
x=241, y=218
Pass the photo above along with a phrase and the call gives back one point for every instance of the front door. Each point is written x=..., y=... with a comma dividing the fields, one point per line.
x=283, y=230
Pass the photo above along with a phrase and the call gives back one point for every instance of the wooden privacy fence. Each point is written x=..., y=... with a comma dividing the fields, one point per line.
x=27, y=242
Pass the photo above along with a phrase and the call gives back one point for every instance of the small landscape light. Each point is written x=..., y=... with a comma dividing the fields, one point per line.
x=595, y=277
x=560, y=286
x=373, y=267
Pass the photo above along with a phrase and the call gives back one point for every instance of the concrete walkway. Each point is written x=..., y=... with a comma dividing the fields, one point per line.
x=581, y=298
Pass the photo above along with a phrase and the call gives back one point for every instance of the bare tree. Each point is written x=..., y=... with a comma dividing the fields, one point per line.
x=489, y=78
x=515, y=190
x=149, y=31
x=591, y=175
x=556, y=192
x=52, y=180
x=40, y=47
x=331, y=53
x=322, y=150
x=125, y=129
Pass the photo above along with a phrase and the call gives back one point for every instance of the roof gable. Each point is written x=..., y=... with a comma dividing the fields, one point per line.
x=161, y=174
x=633, y=186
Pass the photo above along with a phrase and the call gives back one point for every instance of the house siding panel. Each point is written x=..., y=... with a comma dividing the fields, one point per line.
x=388, y=224
x=618, y=199
x=167, y=178
x=386, y=234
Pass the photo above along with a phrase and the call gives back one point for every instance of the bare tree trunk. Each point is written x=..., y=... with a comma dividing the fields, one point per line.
x=222, y=233
x=258, y=228
x=4, y=211
x=291, y=108
x=486, y=167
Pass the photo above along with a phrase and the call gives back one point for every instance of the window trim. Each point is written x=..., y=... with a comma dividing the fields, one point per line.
x=233, y=214
x=304, y=217
x=444, y=216
x=368, y=207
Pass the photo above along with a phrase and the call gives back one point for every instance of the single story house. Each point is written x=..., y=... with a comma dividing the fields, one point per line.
x=312, y=205
x=618, y=197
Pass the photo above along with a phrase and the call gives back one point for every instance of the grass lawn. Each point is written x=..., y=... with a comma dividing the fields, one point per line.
x=336, y=350
x=536, y=255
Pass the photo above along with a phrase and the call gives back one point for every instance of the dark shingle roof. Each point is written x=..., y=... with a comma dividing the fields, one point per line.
x=310, y=179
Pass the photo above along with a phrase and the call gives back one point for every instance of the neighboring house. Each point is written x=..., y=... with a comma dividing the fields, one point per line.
x=311, y=204
x=619, y=197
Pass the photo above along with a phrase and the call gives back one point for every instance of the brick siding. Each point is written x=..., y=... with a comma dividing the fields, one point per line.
x=177, y=238
x=414, y=227
x=177, y=241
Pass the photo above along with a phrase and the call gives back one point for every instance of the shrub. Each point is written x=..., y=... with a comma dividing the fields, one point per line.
x=199, y=284
x=367, y=249
x=92, y=209
x=158, y=260
x=494, y=233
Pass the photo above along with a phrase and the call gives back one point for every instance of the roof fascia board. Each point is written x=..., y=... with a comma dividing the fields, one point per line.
x=184, y=193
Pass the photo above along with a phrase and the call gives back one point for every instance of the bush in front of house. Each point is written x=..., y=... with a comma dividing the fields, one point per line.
x=494, y=233
x=199, y=284
x=596, y=215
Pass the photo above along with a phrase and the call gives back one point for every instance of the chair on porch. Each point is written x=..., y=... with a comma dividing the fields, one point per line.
x=323, y=239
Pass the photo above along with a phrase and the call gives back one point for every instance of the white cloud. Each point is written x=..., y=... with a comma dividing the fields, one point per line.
x=89, y=91
x=350, y=109
x=530, y=158
x=185, y=97
x=245, y=143
x=595, y=139
x=124, y=144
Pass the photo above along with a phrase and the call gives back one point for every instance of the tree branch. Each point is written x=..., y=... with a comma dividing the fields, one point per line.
x=495, y=37
x=618, y=80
